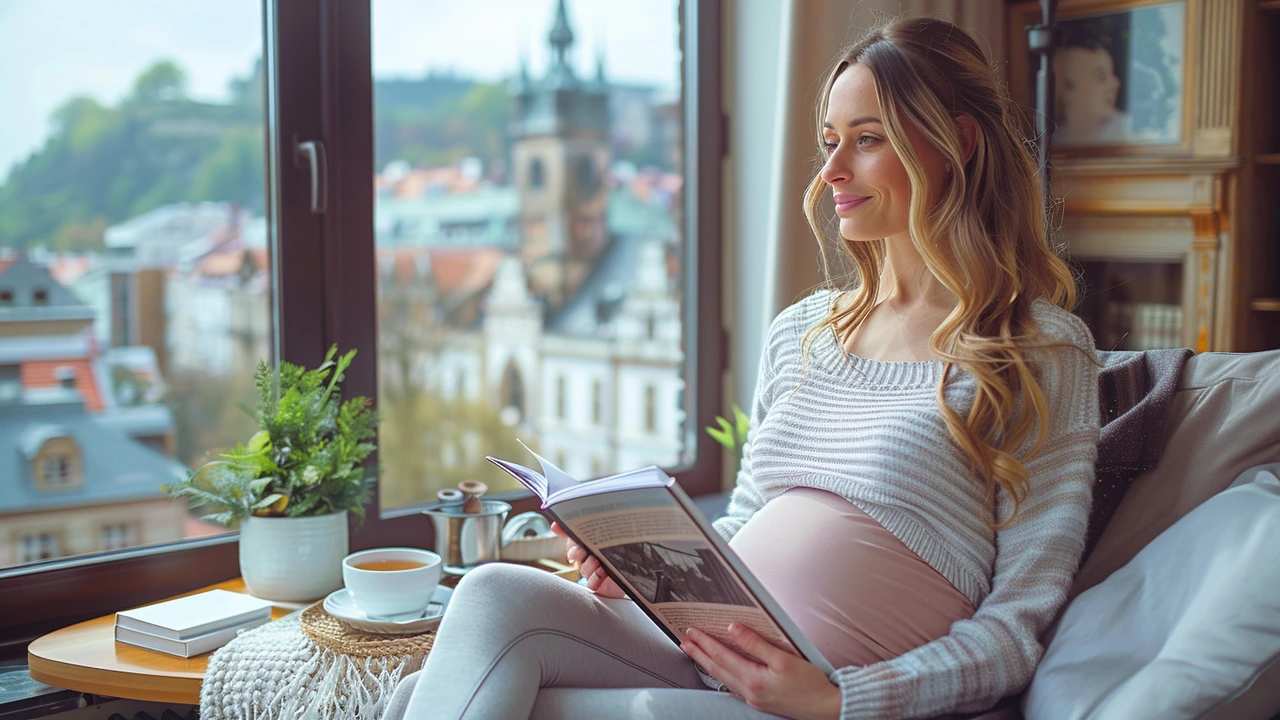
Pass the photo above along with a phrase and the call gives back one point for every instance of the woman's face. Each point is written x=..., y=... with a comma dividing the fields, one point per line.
x=870, y=184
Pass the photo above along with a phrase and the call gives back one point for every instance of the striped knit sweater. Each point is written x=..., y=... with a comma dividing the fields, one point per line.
x=871, y=431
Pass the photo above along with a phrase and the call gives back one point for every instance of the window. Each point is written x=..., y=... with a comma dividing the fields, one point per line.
x=151, y=278
x=650, y=409
x=117, y=536
x=550, y=224
x=468, y=262
x=10, y=383
x=35, y=547
x=537, y=174
x=597, y=402
x=587, y=178
x=56, y=471
x=560, y=397
x=512, y=395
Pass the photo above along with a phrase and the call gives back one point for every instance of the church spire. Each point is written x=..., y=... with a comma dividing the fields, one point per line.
x=561, y=36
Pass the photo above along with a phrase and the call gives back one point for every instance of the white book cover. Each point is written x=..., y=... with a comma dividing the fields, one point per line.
x=191, y=647
x=195, y=615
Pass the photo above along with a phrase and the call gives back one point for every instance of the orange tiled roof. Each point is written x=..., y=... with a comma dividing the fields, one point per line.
x=403, y=262
x=463, y=271
x=219, y=264
x=454, y=271
x=261, y=257
x=41, y=374
x=66, y=270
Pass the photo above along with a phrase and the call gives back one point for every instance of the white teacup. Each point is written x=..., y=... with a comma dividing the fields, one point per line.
x=389, y=582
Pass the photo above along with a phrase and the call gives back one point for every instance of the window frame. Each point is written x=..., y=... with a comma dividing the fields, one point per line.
x=39, y=599
x=328, y=262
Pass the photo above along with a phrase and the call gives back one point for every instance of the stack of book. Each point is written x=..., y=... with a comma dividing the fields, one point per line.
x=192, y=625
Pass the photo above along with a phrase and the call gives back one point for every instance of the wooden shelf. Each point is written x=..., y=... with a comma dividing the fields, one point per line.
x=1266, y=304
x=1267, y=159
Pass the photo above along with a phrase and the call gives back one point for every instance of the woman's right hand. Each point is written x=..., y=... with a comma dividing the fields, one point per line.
x=598, y=581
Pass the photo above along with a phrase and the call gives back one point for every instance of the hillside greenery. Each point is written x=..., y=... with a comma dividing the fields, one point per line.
x=103, y=164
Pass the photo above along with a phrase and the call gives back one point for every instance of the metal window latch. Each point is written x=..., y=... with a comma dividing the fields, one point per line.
x=310, y=154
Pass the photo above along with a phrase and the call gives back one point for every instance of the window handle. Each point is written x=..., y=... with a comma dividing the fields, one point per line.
x=310, y=154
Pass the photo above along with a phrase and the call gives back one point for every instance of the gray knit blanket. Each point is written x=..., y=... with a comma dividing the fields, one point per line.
x=275, y=671
x=1135, y=393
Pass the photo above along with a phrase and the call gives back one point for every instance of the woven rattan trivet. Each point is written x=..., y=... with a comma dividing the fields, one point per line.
x=331, y=633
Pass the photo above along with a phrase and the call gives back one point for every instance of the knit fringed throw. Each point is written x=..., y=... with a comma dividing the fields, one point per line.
x=308, y=666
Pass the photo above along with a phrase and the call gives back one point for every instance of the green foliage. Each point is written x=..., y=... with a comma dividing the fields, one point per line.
x=454, y=121
x=732, y=435
x=233, y=173
x=103, y=165
x=307, y=458
x=164, y=81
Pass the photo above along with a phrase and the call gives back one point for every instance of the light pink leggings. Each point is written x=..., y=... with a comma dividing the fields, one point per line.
x=518, y=643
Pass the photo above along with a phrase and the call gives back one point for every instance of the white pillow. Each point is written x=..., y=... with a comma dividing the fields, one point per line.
x=1184, y=628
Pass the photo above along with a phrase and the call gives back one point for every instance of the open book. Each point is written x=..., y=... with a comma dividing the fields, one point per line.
x=652, y=540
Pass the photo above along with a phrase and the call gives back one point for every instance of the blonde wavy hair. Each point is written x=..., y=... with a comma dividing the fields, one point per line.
x=986, y=239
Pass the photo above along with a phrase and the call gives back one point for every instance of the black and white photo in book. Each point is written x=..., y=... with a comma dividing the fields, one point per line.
x=676, y=571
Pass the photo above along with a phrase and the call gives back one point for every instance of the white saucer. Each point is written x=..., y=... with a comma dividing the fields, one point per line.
x=340, y=604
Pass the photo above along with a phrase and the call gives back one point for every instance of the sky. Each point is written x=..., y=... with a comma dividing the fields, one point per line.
x=51, y=51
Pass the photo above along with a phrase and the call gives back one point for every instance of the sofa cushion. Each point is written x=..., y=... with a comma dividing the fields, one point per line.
x=1183, y=630
x=1225, y=418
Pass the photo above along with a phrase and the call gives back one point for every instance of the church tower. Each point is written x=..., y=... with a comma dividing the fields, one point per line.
x=561, y=157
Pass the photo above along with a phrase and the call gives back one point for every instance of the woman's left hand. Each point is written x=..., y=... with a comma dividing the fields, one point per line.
x=783, y=685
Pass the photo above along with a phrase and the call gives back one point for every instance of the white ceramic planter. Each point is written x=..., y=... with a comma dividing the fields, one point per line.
x=293, y=559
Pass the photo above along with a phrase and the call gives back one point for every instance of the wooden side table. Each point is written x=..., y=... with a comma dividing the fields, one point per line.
x=86, y=657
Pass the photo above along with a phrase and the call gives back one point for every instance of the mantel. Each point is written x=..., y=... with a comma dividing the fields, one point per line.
x=1129, y=166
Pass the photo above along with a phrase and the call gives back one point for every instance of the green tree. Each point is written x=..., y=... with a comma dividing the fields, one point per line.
x=163, y=82
x=208, y=411
x=77, y=236
x=426, y=441
x=108, y=164
x=234, y=172
x=83, y=122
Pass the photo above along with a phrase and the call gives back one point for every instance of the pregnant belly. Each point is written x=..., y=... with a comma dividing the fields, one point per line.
x=857, y=592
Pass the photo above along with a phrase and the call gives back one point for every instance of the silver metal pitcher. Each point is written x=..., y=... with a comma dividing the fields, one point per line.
x=468, y=540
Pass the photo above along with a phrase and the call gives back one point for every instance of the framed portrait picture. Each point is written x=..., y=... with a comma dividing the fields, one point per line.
x=1120, y=74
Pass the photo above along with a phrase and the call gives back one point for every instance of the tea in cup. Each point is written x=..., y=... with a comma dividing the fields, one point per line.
x=391, y=582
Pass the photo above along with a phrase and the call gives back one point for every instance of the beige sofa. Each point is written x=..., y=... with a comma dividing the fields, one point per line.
x=1224, y=420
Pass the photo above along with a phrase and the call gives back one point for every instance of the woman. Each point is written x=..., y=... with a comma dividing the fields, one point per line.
x=915, y=487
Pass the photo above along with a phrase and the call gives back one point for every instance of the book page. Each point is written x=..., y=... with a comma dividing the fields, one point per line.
x=557, y=479
x=648, y=543
x=530, y=479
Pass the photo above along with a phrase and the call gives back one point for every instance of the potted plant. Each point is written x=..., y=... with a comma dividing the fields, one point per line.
x=291, y=487
x=732, y=435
